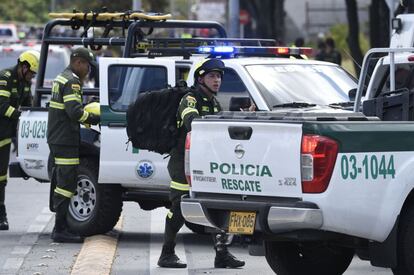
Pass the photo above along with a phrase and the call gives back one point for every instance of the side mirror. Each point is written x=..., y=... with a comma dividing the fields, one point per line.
x=239, y=102
x=352, y=94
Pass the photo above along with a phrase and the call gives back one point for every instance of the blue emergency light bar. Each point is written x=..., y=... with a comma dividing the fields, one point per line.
x=235, y=50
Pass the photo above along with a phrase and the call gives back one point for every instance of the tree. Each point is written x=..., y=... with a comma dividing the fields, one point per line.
x=353, y=35
x=379, y=24
x=34, y=11
x=269, y=15
x=112, y=6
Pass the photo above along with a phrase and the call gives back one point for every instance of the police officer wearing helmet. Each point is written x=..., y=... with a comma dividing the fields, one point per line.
x=200, y=101
x=63, y=136
x=15, y=91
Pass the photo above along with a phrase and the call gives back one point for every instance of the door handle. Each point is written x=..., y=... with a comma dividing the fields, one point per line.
x=117, y=124
x=240, y=132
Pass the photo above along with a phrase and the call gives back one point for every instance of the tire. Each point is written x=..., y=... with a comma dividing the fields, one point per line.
x=95, y=208
x=289, y=258
x=405, y=252
x=196, y=228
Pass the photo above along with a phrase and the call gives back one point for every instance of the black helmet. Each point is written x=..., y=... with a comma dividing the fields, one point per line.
x=208, y=65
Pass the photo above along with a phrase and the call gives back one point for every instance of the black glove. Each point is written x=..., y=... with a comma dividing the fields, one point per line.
x=94, y=119
x=16, y=114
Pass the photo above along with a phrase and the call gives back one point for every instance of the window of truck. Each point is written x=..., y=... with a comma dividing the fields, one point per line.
x=125, y=82
x=313, y=83
x=404, y=78
x=231, y=86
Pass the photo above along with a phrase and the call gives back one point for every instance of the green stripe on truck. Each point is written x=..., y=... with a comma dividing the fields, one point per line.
x=110, y=116
x=366, y=136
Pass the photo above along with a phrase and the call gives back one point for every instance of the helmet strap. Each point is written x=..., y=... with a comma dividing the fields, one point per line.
x=208, y=88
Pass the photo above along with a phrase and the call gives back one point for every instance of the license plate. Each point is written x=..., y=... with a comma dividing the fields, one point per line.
x=242, y=222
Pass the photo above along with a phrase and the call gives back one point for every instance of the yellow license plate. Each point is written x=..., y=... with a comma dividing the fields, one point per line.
x=242, y=222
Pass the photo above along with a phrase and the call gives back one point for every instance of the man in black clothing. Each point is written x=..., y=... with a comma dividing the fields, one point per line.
x=63, y=136
x=332, y=54
x=200, y=101
x=15, y=91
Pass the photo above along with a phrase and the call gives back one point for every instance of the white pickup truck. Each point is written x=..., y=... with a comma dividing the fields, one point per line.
x=112, y=172
x=316, y=186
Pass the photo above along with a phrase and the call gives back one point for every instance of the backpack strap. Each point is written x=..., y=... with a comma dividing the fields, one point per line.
x=197, y=96
x=192, y=92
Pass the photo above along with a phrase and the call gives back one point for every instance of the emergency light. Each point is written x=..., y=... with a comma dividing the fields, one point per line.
x=236, y=50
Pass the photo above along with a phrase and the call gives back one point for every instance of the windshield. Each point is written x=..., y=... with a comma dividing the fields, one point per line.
x=319, y=84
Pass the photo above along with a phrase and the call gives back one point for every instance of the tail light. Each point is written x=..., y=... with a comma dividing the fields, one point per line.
x=187, y=158
x=318, y=156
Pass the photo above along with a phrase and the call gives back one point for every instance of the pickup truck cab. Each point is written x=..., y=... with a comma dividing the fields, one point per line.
x=315, y=187
x=112, y=171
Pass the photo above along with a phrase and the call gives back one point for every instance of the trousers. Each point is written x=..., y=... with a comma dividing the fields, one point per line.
x=65, y=176
x=4, y=165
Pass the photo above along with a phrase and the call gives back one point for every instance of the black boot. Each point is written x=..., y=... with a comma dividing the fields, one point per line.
x=4, y=224
x=65, y=236
x=61, y=233
x=169, y=259
x=224, y=259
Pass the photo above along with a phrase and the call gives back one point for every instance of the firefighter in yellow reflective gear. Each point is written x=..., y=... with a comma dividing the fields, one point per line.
x=200, y=101
x=15, y=91
x=63, y=136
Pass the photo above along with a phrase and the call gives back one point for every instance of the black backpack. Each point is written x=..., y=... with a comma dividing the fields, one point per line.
x=152, y=119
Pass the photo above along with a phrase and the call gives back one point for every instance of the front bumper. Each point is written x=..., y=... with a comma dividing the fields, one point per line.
x=272, y=217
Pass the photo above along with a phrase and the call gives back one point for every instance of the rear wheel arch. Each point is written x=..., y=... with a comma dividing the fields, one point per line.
x=405, y=238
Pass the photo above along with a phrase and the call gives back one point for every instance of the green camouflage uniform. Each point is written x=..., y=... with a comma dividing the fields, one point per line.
x=192, y=105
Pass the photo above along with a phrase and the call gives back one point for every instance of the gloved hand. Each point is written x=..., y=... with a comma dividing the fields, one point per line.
x=16, y=114
x=94, y=119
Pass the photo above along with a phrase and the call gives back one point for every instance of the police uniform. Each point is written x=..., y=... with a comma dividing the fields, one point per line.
x=198, y=102
x=63, y=136
x=13, y=93
x=192, y=105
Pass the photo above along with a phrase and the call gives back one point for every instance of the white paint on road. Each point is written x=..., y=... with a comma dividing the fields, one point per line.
x=13, y=263
x=26, y=242
x=21, y=250
x=157, y=226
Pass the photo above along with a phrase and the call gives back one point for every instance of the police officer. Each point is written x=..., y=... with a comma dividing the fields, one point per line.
x=15, y=91
x=198, y=102
x=63, y=136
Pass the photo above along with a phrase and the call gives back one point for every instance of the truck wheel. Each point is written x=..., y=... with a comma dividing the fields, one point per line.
x=405, y=252
x=289, y=258
x=94, y=208
x=196, y=228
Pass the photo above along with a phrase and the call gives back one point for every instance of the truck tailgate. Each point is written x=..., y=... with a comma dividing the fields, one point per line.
x=272, y=150
x=33, y=150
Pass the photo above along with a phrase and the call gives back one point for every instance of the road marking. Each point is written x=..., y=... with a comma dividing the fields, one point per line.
x=26, y=242
x=13, y=263
x=97, y=253
x=157, y=226
x=36, y=228
x=22, y=249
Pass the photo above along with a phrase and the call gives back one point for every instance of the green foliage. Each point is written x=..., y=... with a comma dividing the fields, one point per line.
x=339, y=33
x=36, y=11
x=112, y=6
x=33, y=11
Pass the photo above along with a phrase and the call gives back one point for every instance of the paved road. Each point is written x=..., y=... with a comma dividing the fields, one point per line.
x=27, y=249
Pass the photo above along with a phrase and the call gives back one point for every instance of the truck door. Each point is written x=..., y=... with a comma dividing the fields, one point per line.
x=121, y=80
